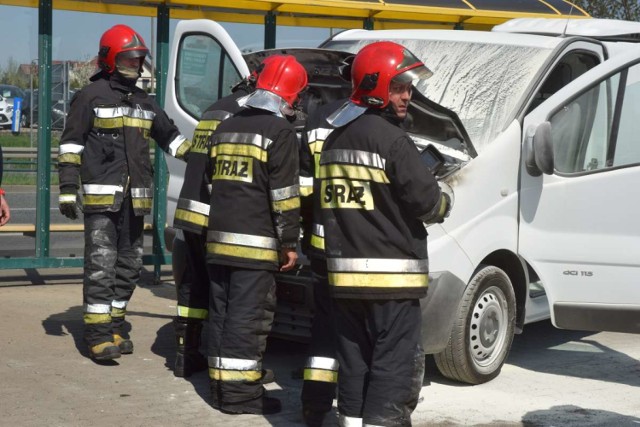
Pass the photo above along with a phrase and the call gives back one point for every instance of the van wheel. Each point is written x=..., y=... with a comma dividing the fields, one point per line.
x=24, y=121
x=483, y=332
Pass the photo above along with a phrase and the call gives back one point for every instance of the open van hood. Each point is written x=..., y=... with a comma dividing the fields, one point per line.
x=428, y=121
x=322, y=66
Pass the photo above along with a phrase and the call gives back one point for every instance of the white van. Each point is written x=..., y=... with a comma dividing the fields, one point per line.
x=541, y=132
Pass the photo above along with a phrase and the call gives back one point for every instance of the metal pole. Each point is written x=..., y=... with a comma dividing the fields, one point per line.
x=368, y=24
x=153, y=57
x=160, y=179
x=270, y=30
x=32, y=103
x=45, y=18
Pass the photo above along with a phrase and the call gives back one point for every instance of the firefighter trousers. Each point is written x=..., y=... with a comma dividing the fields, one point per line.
x=112, y=264
x=381, y=359
x=241, y=310
x=321, y=367
x=193, y=289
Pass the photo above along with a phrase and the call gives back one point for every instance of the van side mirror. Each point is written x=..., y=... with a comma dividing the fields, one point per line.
x=538, y=150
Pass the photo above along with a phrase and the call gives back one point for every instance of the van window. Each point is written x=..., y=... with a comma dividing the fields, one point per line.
x=569, y=68
x=627, y=143
x=599, y=129
x=204, y=73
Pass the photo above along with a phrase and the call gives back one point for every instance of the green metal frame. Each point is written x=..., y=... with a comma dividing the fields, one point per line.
x=43, y=192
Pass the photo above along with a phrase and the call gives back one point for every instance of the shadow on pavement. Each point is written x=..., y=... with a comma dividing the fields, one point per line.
x=570, y=415
x=544, y=348
x=70, y=323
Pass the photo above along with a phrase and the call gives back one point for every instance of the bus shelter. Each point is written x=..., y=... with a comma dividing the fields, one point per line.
x=367, y=14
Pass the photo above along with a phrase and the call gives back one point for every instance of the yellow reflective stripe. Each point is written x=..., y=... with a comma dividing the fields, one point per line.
x=306, y=191
x=285, y=205
x=242, y=252
x=192, y=313
x=70, y=158
x=346, y=194
x=317, y=242
x=118, y=312
x=143, y=203
x=239, y=150
x=320, y=375
x=90, y=199
x=137, y=122
x=207, y=125
x=192, y=217
x=379, y=280
x=200, y=141
x=108, y=123
x=95, y=318
x=361, y=173
x=227, y=375
x=233, y=168
x=183, y=149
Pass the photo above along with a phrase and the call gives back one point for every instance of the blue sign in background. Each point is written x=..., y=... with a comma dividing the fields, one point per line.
x=17, y=115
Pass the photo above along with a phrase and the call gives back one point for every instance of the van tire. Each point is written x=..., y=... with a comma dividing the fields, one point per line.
x=488, y=306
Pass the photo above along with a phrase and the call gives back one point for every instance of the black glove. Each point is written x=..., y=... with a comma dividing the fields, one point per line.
x=68, y=202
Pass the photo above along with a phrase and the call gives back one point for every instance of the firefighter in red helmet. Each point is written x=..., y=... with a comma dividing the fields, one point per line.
x=375, y=196
x=104, y=152
x=253, y=232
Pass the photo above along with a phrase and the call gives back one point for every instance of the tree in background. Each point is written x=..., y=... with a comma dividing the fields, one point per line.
x=79, y=76
x=628, y=10
x=11, y=75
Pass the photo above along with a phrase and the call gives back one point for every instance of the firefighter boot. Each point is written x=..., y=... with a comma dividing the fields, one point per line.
x=189, y=360
x=263, y=405
x=124, y=344
x=120, y=337
x=104, y=351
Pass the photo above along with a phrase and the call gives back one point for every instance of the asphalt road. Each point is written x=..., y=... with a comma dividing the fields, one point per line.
x=22, y=202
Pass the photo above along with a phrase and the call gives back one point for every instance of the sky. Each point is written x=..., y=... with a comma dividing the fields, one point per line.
x=76, y=34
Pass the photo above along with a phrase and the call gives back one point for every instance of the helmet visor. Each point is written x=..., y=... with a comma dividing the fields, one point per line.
x=411, y=68
x=140, y=52
x=419, y=73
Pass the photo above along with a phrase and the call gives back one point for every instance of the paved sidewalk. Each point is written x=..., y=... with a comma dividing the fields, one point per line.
x=552, y=378
x=48, y=379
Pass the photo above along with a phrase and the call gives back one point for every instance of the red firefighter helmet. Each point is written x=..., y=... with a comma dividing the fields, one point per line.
x=376, y=65
x=119, y=41
x=282, y=75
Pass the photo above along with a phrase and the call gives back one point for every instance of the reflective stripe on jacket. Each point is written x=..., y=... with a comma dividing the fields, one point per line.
x=373, y=190
x=255, y=202
x=105, y=145
x=192, y=211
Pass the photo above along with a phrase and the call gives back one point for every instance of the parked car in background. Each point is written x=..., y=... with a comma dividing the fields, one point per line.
x=6, y=111
x=7, y=94
x=59, y=111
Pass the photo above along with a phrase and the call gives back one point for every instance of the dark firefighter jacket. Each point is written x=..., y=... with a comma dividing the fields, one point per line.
x=255, y=203
x=316, y=131
x=375, y=194
x=106, y=143
x=192, y=211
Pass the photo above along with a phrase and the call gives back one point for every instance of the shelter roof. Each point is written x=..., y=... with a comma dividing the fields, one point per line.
x=387, y=14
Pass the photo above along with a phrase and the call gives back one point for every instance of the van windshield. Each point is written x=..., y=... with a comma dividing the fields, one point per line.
x=483, y=83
